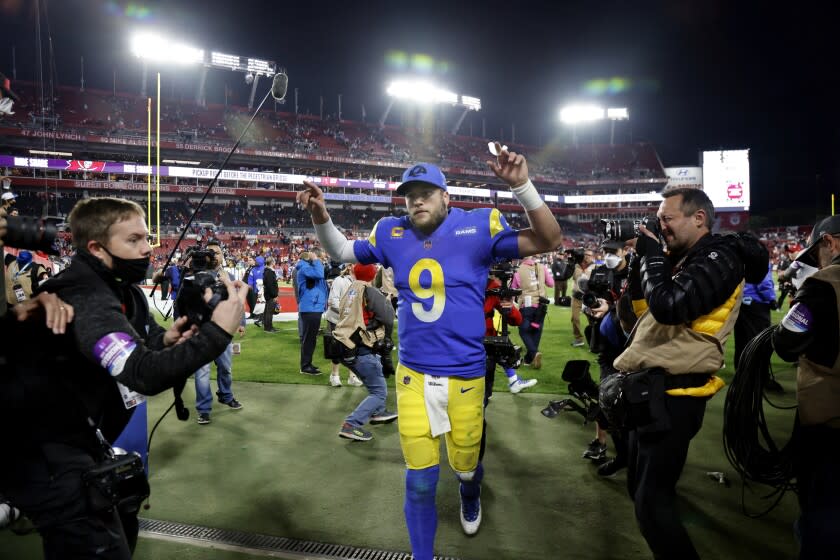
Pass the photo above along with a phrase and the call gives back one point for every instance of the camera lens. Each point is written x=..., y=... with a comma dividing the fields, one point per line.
x=590, y=300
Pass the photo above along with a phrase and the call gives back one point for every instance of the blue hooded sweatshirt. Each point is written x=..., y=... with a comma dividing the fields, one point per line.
x=311, y=286
x=256, y=274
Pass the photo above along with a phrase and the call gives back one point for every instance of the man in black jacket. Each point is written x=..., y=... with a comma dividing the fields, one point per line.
x=810, y=335
x=91, y=378
x=271, y=292
x=689, y=300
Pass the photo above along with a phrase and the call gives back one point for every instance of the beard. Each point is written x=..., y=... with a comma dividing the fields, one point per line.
x=429, y=221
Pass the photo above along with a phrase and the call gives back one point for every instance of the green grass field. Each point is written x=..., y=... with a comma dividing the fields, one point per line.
x=274, y=358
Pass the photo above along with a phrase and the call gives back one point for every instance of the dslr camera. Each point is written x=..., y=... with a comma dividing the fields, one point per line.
x=624, y=230
x=34, y=234
x=197, y=277
x=504, y=271
x=598, y=286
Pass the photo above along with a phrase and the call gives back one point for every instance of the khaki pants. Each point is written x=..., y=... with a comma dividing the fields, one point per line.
x=577, y=308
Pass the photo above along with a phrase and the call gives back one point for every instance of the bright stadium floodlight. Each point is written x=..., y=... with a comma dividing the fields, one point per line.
x=222, y=60
x=422, y=91
x=576, y=114
x=471, y=103
x=618, y=114
x=154, y=47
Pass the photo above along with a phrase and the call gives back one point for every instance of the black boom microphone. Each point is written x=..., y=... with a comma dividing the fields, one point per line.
x=279, y=85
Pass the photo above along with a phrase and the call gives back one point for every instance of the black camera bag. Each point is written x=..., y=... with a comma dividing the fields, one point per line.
x=116, y=482
x=635, y=401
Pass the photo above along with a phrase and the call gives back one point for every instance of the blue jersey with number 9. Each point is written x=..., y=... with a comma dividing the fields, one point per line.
x=441, y=279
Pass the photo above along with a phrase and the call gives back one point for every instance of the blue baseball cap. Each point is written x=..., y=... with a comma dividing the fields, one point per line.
x=423, y=173
x=24, y=258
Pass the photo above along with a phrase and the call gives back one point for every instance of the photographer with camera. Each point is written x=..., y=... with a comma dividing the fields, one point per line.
x=532, y=277
x=561, y=271
x=364, y=328
x=499, y=313
x=209, y=264
x=810, y=335
x=604, y=287
x=583, y=259
x=337, y=289
x=688, y=300
x=68, y=402
x=24, y=276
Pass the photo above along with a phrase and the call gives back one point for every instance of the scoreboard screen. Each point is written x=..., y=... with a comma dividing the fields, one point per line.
x=726, y=179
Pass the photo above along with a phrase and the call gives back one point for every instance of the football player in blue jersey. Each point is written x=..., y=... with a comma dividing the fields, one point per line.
x=440, y=257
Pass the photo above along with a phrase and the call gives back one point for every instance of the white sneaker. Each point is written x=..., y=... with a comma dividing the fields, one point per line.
x=354, y=380
x=335, y=380
x=521, y=385
x=470, y=516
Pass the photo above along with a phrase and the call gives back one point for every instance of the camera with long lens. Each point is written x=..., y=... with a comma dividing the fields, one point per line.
x=35, y=234
x=197, y=279
x=624, y=230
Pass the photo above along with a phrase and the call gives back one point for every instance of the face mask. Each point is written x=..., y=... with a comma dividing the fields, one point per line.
x=129, y=271
x=612, y=260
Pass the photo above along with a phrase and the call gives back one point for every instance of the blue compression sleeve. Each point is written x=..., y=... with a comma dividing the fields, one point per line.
x=420, y=510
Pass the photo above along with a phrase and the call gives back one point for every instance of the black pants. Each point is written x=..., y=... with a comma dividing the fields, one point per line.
x=251, y=300
x=752, y=319
x=47, y=487
x=309, y=323
x=268, y=315
x=655, y=463
x=818, y=475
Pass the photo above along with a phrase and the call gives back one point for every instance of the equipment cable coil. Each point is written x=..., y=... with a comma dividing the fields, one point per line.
x=747, y=441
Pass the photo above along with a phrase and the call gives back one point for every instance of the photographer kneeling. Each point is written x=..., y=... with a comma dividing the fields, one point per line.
x=68, y=395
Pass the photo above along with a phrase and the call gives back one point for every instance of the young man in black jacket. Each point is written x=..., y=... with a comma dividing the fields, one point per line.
x=91, y=378
x=271, y=292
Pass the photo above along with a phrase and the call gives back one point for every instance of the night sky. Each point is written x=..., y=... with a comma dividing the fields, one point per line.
x=694, y=74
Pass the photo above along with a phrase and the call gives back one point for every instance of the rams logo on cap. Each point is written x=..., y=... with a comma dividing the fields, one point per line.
x=417, y=171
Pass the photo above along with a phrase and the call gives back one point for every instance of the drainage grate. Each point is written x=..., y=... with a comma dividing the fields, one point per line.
x=267, y=545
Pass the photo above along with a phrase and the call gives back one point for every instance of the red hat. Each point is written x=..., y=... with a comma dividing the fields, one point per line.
x=364, y=272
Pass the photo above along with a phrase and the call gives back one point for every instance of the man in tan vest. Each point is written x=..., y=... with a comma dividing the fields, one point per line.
x=364, y=328
x=687, y=300
x=810, y=333
x=532, y=278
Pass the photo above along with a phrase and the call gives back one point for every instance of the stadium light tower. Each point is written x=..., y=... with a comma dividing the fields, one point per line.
x=616, y=114
x=424, y=92
x=580, y=114
x=149, y=46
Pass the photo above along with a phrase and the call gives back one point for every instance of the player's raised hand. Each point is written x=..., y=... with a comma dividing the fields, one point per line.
x=509, y=166
x=312, y=198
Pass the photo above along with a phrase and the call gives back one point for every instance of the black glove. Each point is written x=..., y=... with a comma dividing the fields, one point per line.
x=387, y=366
x=645, y=246
x=774, y=304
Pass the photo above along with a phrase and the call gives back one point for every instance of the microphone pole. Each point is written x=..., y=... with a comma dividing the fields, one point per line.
x=275, y=91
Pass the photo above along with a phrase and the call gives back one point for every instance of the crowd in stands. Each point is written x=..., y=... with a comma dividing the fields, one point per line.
x=124, y=114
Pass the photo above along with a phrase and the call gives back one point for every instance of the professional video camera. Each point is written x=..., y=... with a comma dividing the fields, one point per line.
x=500, y=348
x=197, y=277
x=35, y=234
x=581, y=387
x=624, y=230
x=598, y=285
x=575, y=255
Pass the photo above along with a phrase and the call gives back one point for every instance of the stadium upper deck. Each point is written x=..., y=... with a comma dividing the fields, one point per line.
x=99, y=126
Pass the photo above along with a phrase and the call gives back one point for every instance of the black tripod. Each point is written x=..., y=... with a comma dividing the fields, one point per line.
x=582, y=388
